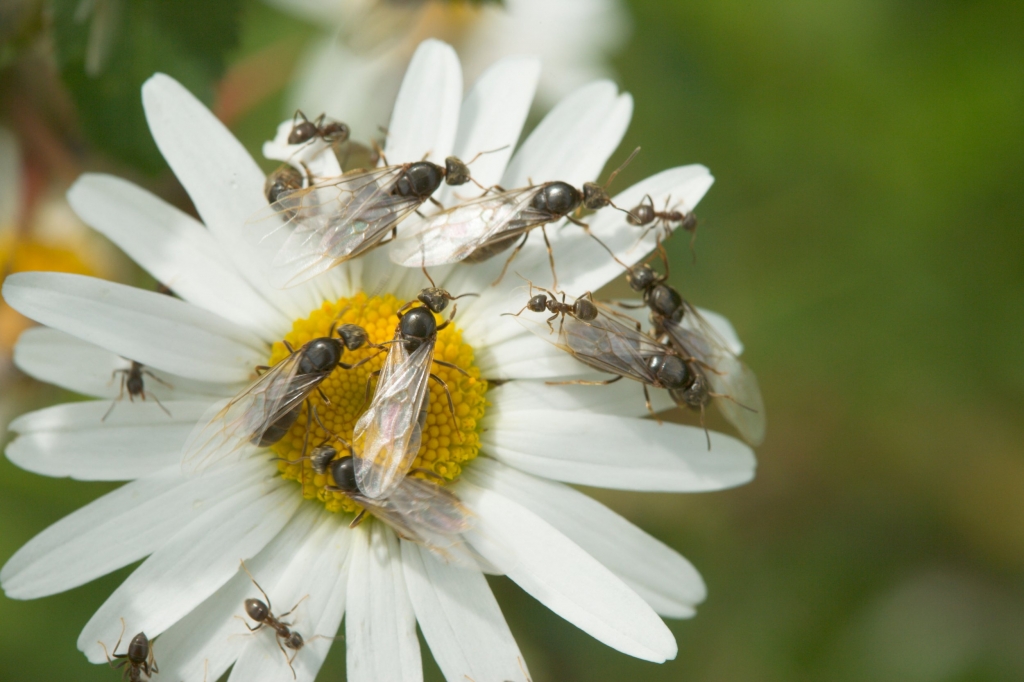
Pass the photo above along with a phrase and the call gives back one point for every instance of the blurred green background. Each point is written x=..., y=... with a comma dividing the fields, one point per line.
x=864, y=236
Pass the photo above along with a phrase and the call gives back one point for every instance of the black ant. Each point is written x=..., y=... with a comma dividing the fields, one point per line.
x=263, y=615
x=582, y=308
x=138, y=659
x=645, y=215
x=132, y=379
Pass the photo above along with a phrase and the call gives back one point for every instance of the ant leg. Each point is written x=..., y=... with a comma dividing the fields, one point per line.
x=551, y=257
x=244, y=568
x=366, y=397
x=156, y=378
x=288, y=346
x=357, y=364
x=431, y=473
x=451, y=405
x=285, y=654
x=514, y=252
x=455, y=306
x=550, y=326
x=120, y=395
x=323, y=396
x=451, y=366
x=586, y=228
x=289, y=611
x=119, y=637
x=358, y=519
x=157, y=400
x=583, y=382
x=260, y=369
x=305, y=441
x=706, y=433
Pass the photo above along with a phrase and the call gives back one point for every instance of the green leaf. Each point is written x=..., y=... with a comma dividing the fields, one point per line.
x=124, y=42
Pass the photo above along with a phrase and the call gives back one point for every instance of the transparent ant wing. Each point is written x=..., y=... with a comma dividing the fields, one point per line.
x=733, y=384
x=428, y=514
x=387, y=436
x=609, y=343
x=226, y=427
x=452, y=235
x=318, y=227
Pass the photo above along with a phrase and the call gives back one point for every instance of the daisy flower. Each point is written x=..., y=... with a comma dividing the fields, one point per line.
x=355, y=71
x=508, y=452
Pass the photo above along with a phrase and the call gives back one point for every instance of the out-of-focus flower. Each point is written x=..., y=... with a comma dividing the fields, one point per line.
x=354, y=73
x=37, y=234
x=104, y=17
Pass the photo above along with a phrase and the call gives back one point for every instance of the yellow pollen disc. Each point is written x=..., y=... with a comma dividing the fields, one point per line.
x=447, y=442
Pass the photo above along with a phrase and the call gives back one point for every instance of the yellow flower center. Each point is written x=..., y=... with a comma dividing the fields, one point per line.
x=447, y=441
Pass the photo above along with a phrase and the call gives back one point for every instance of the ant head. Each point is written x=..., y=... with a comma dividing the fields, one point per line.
x=435, y=298
x=538, y=303
x=594, y=196
x=641, y=277
x=302, y=131
x=455, y=171
x=257, y=610
x=352, y=335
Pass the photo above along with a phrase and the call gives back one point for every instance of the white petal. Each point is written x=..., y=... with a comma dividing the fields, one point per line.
x=115, y=530
x=193, y=564
x=173, y=247
x=492, y=119
x=526, y=357
x=315, y=582
x=616, y=452
x=565, y=145
x=655, y=571
x=72, y=440
x=204, y=643
x=426, y=114
x=623, y=398
x=52, y=356
x=563, y=577
x=460, y=619
x=224, y=182
x=150, y=328
x=380, y=628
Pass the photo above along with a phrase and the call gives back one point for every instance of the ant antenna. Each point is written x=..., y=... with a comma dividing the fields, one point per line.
x=427, y=275
x=620, y=168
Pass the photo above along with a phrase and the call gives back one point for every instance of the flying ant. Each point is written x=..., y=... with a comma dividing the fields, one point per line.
x=388, y=435
x=131, y=378
x=718, y=372
x=340, y=218
x=138, y=659
x=477, y=230
x=265, y=411
x=417, y=510
x=601, y=338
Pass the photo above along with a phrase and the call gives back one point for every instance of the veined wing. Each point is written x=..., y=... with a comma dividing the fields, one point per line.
x=428, y=514
x=450, y=236
x=387, y=436
x=332, y=221
x=733, y=383
x=227, y=426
